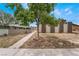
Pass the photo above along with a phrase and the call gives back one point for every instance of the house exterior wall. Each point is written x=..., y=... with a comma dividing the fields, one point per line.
x=75, y=27
x=13, y=30
x=3, y=31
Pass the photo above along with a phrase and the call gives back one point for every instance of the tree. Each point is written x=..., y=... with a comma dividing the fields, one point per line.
x=6, y=19
x=38, y=12
x=23, y=15
x=47, y=19
x=39, y=9
x=17, y=5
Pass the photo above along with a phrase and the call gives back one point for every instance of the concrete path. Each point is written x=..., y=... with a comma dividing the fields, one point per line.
x=39, y=52
x=22, y=41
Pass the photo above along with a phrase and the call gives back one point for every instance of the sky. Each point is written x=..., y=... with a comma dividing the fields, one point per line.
x=68, y=11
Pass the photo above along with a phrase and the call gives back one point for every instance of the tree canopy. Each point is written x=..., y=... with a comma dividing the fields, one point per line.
x=6, y=19
x=35, y=11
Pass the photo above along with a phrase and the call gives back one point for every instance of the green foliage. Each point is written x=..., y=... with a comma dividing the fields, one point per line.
x=36, y=11
x=17, y=5
x=25, y=17
x=47, y=19
x=43, y=14
x=39, y=8
x=21, y=14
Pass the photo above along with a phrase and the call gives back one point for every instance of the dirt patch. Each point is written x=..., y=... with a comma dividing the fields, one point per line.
x=7, y=41
x=49, y=42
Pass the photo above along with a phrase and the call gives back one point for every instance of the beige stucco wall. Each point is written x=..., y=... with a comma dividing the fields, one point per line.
x=65, y=28
x=40, y=28
x=48, y=28
x=57, y=29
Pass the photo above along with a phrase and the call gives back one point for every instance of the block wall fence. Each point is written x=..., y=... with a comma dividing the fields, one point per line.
x=61, y=28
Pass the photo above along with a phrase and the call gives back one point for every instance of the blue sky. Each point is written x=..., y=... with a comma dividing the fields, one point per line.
x=68, y=11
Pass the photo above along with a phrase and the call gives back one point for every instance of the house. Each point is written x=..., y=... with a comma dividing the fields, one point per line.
x=14, y=30
x=75, y=27
x=10, y=26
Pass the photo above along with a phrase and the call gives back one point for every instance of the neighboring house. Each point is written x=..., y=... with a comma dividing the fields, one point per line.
x=6, y=19
x=75, y=27
x=13, y=30
x=10, y=26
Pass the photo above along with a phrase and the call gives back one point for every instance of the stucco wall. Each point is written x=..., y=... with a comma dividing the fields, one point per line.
x=48, y=28
x=3, y=31
x=65, y=28
x=61, y=28
x=57, y=29
x=40, y=28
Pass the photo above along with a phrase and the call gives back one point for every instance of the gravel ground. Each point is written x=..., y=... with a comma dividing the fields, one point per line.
x=7, y=41
x=48, y=40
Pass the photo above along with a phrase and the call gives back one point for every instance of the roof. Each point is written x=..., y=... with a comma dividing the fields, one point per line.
x=18, y=26
x=75, y=25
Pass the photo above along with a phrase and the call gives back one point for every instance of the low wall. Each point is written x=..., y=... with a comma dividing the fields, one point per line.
x=13, y=31
x=16, y=31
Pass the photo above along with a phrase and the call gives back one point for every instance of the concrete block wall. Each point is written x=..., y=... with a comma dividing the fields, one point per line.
x=61, y=28
x=69, y=27
x=48, y=28
x=57, y=29
x=52, y=29
x=65, y=28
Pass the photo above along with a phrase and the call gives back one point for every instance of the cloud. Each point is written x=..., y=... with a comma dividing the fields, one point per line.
x=68, y=11
x=57, y=12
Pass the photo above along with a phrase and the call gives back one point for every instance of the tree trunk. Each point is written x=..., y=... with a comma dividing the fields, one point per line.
x=38, y=24
x=38, y=28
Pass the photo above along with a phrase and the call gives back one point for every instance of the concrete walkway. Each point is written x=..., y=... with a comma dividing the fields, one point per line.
x=22, y=41
x=39, y=52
